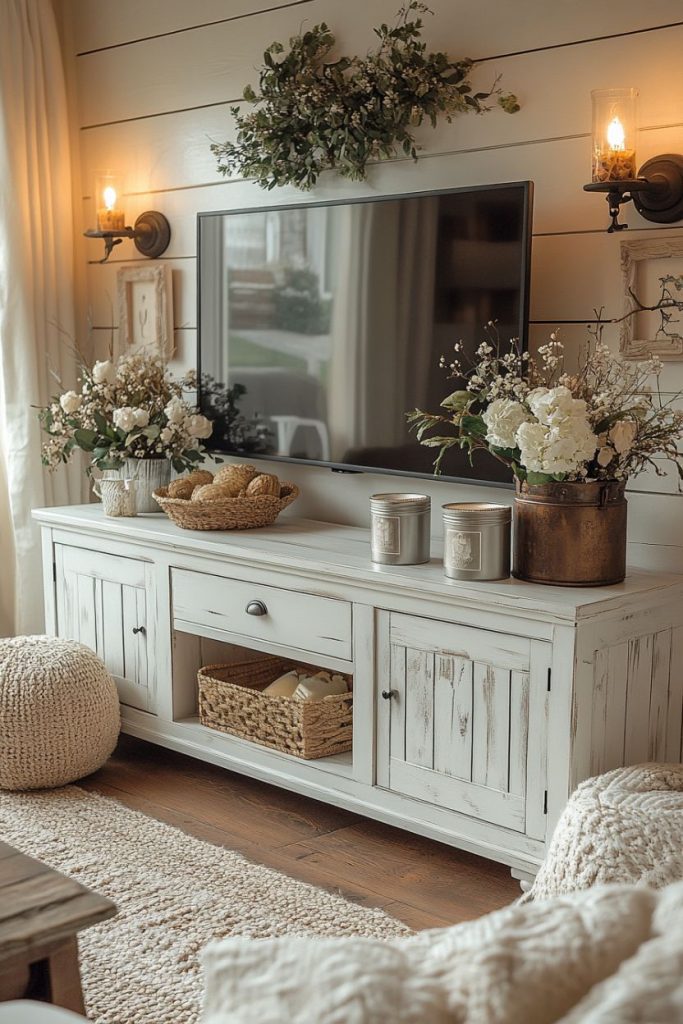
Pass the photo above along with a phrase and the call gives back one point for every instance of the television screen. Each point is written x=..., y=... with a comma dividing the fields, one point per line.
x=321, y=325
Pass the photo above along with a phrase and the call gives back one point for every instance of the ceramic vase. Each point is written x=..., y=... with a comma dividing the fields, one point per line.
x=149, y=475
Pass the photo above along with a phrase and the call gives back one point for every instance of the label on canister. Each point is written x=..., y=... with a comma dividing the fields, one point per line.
x=386, y=534
x=463, y=550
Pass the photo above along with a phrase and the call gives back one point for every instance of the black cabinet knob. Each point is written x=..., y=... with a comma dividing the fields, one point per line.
x=139, y=629
x=388, y=694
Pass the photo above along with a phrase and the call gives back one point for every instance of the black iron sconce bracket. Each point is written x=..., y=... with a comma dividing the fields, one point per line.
x=657, y=192
x=151, y=235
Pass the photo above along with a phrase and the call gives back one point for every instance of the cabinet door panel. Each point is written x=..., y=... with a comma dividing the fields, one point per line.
x=491, y=712
x=457, y=728
x=453, y=693
x=102, y=603
x=419, y=700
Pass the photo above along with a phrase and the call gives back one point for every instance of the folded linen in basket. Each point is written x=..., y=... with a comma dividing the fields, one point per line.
x=304, y=686
x=283, y=686
x=322, y=684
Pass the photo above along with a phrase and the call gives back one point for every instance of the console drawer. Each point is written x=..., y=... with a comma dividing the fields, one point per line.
x=321, y=625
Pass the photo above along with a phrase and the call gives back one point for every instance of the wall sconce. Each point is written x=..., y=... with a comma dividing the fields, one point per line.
x=151, y=232
x=656, y=189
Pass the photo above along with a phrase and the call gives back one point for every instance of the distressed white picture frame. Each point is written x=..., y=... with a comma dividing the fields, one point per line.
x=145, y=308
x=643, y=262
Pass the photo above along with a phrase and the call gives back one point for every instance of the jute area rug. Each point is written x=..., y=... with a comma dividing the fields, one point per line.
x=174, y=893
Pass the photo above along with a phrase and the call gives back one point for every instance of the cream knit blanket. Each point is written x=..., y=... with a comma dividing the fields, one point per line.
x=610, y=954
x=625, y=826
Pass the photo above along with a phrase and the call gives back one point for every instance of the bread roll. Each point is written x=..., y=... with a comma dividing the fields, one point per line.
x=210, y=492
x=235, y=477
x=199, y=476
x=264, y=483
x=181, y=488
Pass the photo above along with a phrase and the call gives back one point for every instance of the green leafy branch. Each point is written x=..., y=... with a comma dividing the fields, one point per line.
x=316, y=113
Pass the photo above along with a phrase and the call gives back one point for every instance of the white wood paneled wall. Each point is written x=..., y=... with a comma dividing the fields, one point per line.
x=152, y=82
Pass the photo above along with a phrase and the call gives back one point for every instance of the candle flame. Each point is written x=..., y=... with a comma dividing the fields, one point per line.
x=109, y=196
x=616, y=136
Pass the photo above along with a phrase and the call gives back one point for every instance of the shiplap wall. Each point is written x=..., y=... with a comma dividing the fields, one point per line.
x=152, y=81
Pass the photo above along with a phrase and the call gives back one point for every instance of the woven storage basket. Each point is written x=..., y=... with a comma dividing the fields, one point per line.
x=231, y=701
x=228, y=514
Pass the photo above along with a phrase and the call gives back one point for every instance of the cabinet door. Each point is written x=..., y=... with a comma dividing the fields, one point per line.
x=102, y=602
x=462, y=715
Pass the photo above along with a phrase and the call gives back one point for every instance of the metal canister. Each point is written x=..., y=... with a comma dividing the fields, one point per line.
x=476, y=540
x=400, y=528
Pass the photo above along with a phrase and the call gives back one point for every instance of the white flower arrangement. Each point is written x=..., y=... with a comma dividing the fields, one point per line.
x=129, y=409
x=603, y=422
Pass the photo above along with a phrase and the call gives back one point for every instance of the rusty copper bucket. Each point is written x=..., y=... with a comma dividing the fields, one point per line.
x=570, y=534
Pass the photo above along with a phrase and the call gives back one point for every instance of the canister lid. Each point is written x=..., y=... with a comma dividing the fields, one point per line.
x=471, y=512
x=400, y=504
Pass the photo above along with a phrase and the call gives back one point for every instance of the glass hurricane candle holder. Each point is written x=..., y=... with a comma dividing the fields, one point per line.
x=109, y=216
x=614, y=134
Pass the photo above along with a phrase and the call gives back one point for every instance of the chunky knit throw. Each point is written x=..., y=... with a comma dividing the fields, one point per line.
x=573, y=951
x=625, y=826
x=59, y=712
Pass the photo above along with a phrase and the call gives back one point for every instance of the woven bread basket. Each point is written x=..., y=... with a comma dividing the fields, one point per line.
x=231, y=701
x=229, y=513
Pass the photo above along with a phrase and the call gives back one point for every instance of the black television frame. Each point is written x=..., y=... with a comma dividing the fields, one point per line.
x=342, y=467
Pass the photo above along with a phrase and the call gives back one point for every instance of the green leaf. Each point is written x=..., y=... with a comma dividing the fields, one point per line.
x=540, y=478
x=506, y=453
x=85, y=439
x=440, y=442
x=100, y=422
x=458, y=401
x=474, y=425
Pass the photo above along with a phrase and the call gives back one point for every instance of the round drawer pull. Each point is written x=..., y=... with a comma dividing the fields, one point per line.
x=139, y=629
x=256, y=608
x=388, y=694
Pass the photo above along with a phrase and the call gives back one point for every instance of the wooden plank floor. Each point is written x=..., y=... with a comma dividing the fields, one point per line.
x=424, y=883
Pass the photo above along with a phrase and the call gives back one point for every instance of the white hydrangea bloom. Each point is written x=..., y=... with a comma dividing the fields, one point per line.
x=141, y=417
x=530, y=439
x=104, y=372
x=551, y=405
x=561, y=449
x=124, y=418
x=175, y=410
x=198, y=426
x=70, y=402
x=503, y=417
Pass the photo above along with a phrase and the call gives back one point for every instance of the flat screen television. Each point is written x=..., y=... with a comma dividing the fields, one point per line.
x=322, y=324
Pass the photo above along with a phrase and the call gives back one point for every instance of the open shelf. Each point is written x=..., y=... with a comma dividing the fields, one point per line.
x=190, y=653
x=337, y=764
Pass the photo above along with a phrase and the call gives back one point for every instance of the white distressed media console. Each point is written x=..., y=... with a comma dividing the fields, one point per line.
x=477, y=706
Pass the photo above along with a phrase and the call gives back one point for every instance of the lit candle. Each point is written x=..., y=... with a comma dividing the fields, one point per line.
x=614, y=154
x=108, y=217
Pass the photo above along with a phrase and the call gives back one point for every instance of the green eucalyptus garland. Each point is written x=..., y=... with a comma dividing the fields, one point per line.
x=315, y=113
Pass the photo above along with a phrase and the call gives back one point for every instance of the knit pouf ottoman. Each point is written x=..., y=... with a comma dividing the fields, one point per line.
x=622, y=827
x=59, y=712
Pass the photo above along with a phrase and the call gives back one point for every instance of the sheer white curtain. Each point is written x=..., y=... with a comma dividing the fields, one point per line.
x=36, y=290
